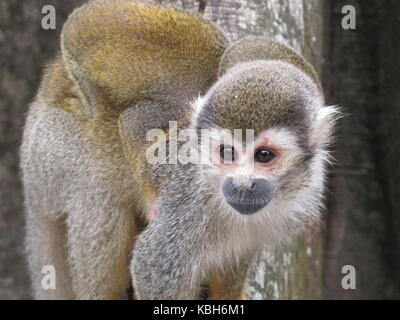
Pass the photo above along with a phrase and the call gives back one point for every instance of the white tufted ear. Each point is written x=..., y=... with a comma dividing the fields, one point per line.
x=324, y=126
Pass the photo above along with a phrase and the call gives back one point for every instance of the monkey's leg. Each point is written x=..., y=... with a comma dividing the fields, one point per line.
x=46, y=246
x=100, y=240
x=229, y=284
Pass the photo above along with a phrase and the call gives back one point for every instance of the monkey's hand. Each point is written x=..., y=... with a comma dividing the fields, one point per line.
x=169, y=254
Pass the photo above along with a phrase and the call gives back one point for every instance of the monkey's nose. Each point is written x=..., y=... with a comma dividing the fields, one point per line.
x=247, y=198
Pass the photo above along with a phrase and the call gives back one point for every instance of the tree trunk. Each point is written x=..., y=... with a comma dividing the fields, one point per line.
x=362, y=76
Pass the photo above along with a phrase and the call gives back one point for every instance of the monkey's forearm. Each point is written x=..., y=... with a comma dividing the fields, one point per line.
x=164, y=266
x=168, y=257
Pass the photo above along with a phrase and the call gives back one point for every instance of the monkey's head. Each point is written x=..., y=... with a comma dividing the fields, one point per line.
x=269, y=131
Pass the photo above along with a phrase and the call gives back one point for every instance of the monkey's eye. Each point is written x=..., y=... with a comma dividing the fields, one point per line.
x=227, y=154
x=263, y=156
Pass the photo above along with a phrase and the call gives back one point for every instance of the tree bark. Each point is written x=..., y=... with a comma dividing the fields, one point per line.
x=362, y=76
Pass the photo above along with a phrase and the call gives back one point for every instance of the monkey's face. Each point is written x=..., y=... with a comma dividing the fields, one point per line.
x=247, y=171
x=268, y=130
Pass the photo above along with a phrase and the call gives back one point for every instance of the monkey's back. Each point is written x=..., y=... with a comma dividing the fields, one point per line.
x=128, y=49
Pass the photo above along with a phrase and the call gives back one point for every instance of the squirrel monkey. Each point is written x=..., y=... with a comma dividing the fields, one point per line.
x=213, y=216
x=93, y=199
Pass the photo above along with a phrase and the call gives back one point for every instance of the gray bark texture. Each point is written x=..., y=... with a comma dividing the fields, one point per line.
x=362, y=76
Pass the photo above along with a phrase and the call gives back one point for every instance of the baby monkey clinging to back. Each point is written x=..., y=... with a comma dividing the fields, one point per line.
x=128, y=67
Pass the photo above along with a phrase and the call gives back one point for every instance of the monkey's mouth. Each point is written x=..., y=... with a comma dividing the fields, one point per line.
x=248, y=207
x=250, y=198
